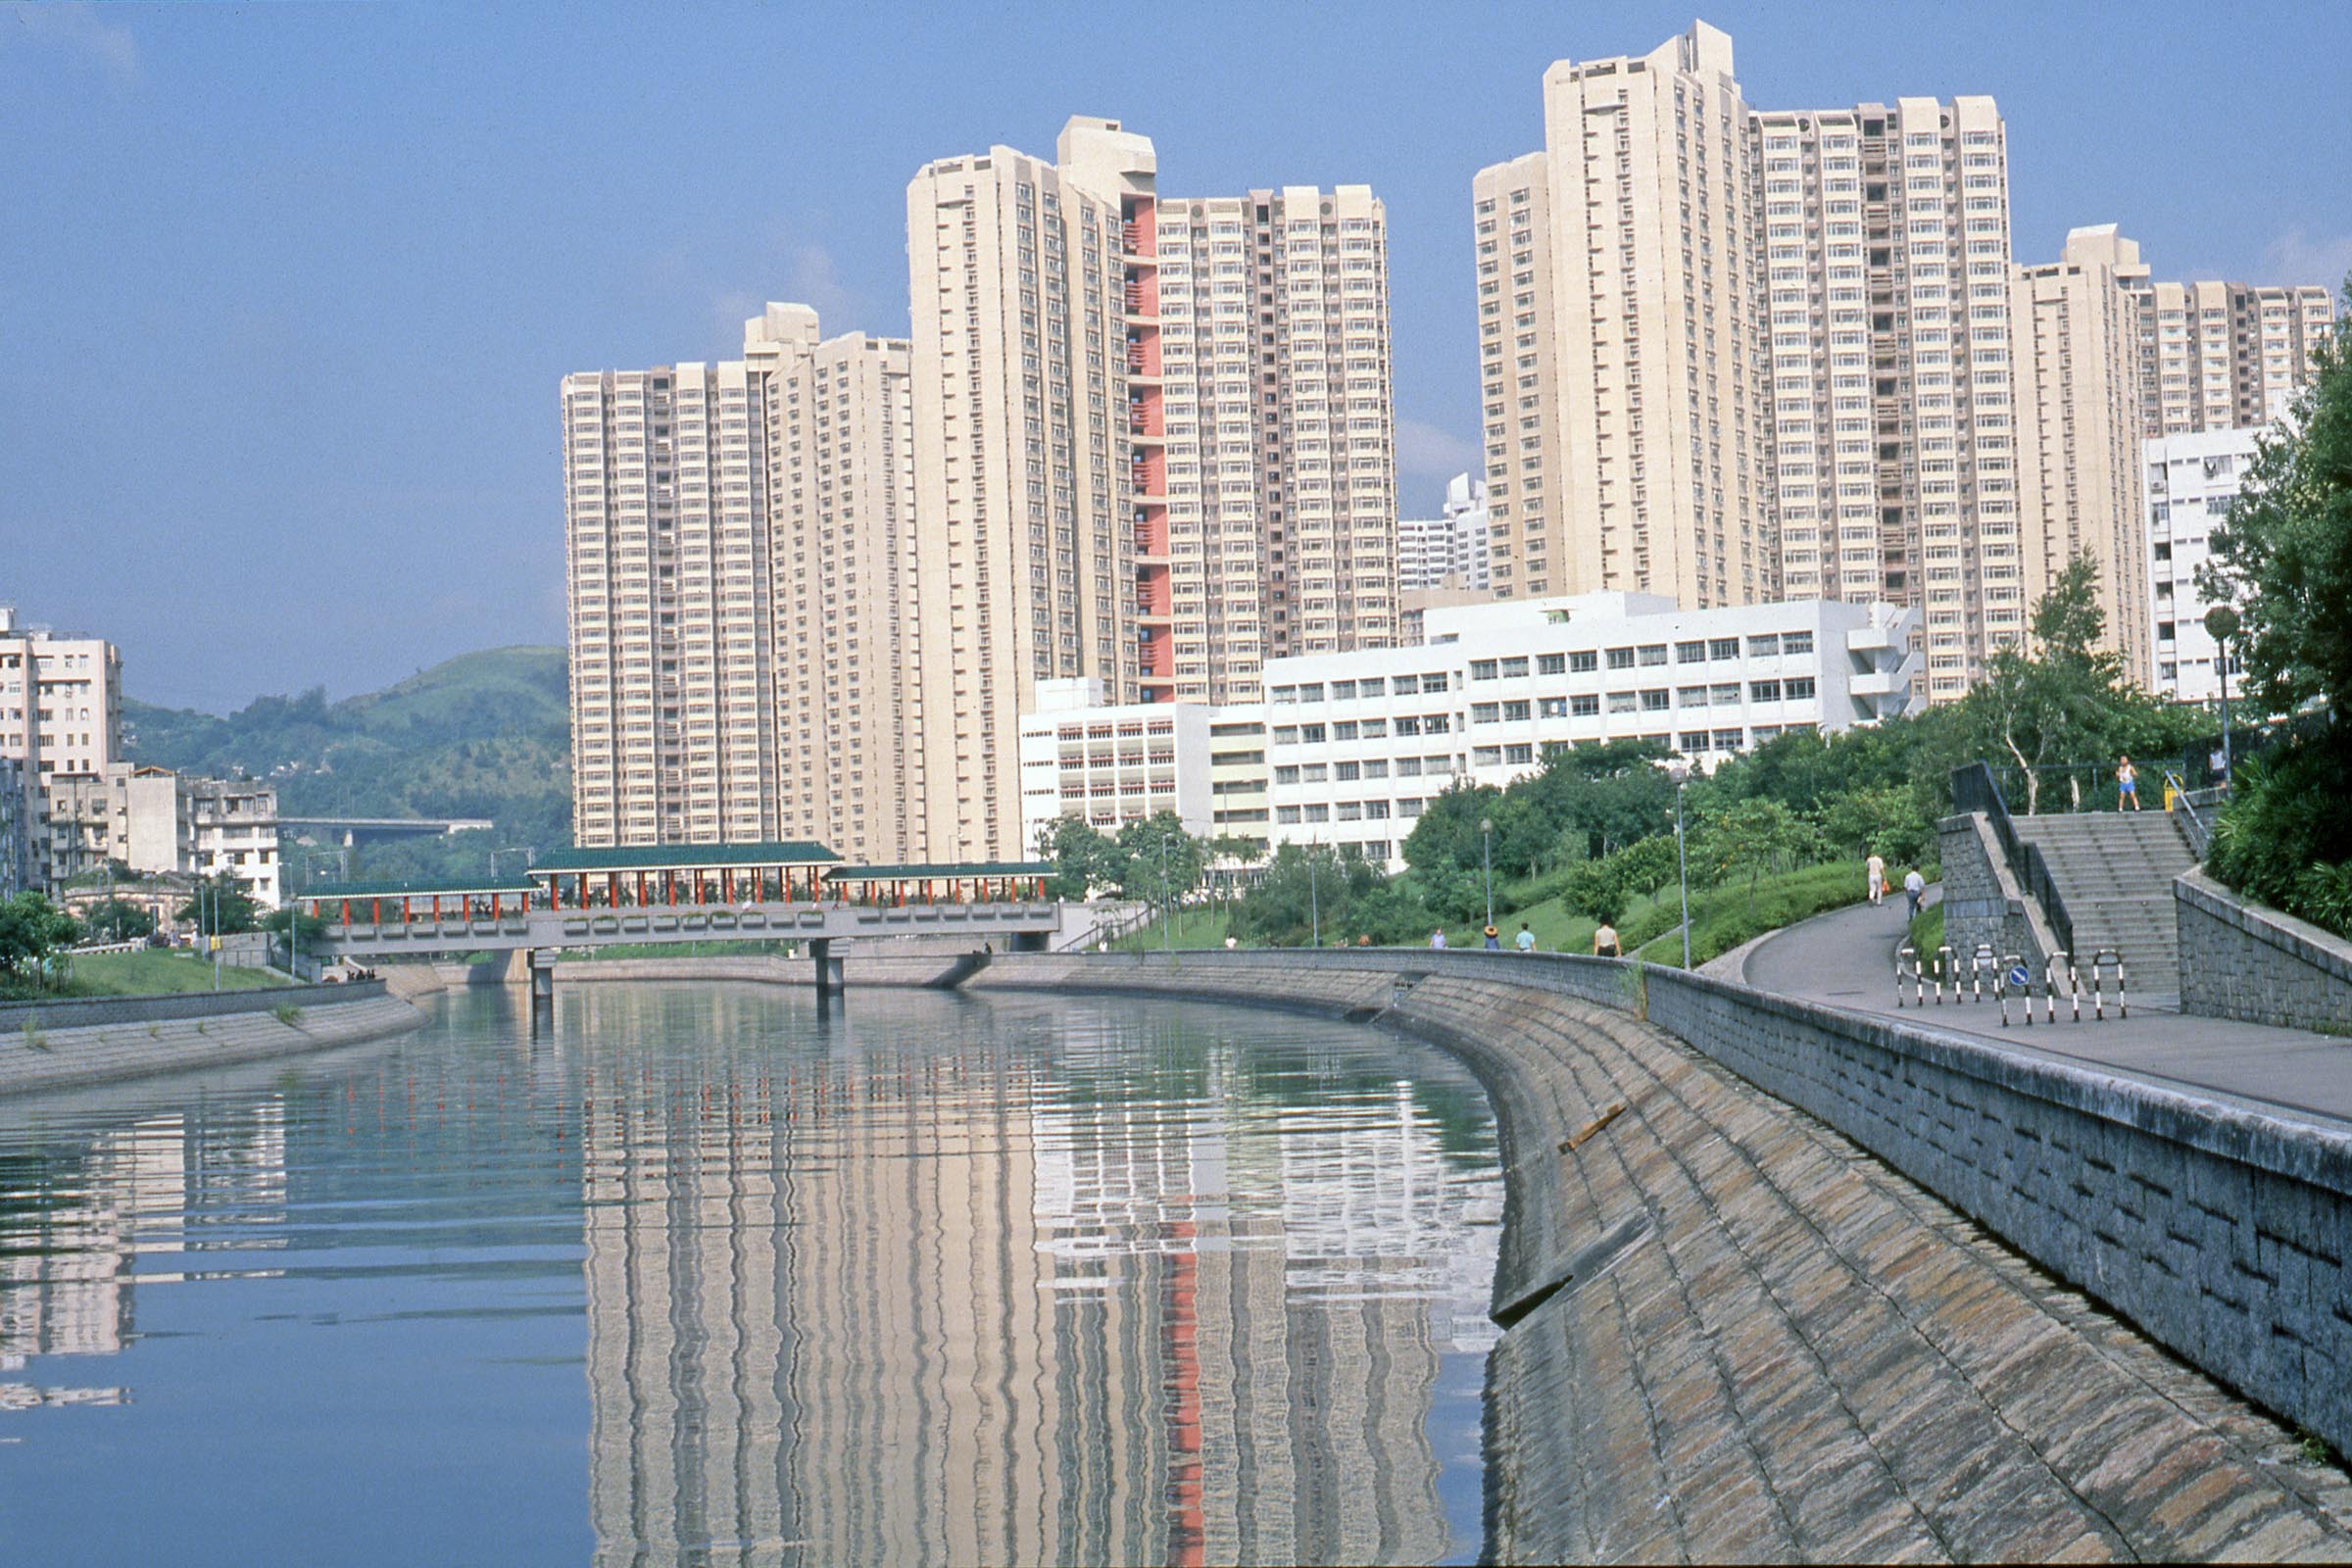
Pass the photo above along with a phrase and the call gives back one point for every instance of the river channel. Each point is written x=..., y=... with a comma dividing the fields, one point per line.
x=700, y=1275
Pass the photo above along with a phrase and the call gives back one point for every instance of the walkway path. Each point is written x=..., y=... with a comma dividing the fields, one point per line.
x=1846, y=959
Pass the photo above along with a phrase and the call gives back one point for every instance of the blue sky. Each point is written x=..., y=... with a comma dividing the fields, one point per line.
x=285, y=289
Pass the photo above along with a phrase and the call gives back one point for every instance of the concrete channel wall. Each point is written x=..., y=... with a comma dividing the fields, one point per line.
x=2245, y=960
x=2218, y=1230
x=71, y=1043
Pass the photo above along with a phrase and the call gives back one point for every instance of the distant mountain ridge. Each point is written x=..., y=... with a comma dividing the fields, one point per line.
x=485, y=734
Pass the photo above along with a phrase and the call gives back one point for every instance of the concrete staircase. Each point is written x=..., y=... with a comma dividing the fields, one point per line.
x=2114, y=871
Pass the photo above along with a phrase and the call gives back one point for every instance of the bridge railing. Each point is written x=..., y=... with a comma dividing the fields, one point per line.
x=1973, y=789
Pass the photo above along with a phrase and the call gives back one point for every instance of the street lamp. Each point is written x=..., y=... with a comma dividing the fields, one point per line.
x=1486, y=839
x=1681, y=861
x=1314, y=901
x=1167, y=936
x=2223, y=623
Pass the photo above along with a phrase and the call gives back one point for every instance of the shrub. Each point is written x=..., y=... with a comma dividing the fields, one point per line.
x=287, y=1013
x=2285, y=838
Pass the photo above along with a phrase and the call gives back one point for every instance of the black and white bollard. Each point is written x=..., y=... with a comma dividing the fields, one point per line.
x=1907, y=954
x=1943, y=967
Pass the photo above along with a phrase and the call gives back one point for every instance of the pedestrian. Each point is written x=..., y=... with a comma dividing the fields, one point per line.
x=1526, y=939
x=1231, y=944
x=2127, y=785
x=1914, y=887
x=1364, y=940
x=1437, y=938
x=1604, y=941
x=1875, y=865
x=1494, y=940
x=2219, y=764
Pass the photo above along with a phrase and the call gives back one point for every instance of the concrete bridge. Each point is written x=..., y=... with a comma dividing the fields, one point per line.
x=588, y=899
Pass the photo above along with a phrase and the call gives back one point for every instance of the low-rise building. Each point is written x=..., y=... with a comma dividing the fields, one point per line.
x=1112, y=764
x=1356, y=745
x=151, y=819
x=2190, y=482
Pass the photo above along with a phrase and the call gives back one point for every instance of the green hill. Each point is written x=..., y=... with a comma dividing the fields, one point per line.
x=485, y=734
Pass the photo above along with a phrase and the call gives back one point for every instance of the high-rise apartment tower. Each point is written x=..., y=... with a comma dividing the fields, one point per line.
x=742, y=597
x=1154, y=443
x=2219, y=355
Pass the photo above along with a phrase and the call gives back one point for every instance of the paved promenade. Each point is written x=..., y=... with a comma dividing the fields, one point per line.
x=1846, y=959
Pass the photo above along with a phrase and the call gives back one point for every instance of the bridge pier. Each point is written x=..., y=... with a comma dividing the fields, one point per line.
x=829, y=980
x=542, y=966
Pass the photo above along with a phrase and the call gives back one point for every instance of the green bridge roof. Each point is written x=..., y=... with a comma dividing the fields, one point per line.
x=681, y=856
x=895, y=873
x=415, y=890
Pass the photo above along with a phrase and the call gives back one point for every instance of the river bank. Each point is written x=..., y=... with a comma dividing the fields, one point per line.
x=78, y=1042
x=1732, y=1332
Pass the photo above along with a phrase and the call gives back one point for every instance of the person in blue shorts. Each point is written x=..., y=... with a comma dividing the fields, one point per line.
x=2127, y=785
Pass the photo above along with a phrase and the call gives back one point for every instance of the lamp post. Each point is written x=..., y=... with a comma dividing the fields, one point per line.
x=1314, y=901
x=1681, y=866
x=2223, y=623
x=1486, y=839
x=1167, y=899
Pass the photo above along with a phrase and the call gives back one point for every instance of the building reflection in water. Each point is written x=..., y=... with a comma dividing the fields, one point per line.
x=88, y=1220
x=1074, y=1287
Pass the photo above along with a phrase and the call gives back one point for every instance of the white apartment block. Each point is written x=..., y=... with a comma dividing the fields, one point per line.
x=2076, y=323
x=1356, y=746
x=1886, y=242
x=743, y=569
x=2217, y=356
x=1730, y=355
x=1111, y=764
x=1272, y=353
x=1450, y=549
x=61, y=701
x=1621, y=361
x=2190, y=482
x=152, y=821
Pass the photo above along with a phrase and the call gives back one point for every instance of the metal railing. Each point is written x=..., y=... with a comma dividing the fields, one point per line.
x=2192, y=821
x=1975, y=790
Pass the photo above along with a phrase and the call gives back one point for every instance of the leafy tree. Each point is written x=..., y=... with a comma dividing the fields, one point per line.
x=1611, y=795
x=1445, y=836
x=2056, y=703
x=2284, y=552
x=117, y=921
x=1752, y=836
x=1082, y=857
x=1157, y=861
x=1884, y=820
x=221, y=905
x=1306, y=886
x=31, y=931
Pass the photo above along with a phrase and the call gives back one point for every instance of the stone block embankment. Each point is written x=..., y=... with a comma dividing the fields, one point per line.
x=65, y=1045
x=2241, y=960
x=1733, y=1334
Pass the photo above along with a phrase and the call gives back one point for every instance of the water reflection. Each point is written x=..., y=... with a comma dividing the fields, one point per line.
x=1152, y=1297
x=930, y=1279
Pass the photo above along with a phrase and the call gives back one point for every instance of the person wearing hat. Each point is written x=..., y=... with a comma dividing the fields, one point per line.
x=1494, y=939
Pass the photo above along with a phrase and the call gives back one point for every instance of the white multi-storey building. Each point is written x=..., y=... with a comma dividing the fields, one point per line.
x=1452, y=549
x=2190, y=482
x=1357, y=746
x=150, y=819
x=1111, y=764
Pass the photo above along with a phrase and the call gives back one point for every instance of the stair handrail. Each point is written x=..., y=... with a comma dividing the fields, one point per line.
x=2201, y=835
x=1973, y=789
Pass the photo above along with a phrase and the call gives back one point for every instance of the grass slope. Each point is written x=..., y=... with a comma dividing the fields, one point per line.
x=155, y=973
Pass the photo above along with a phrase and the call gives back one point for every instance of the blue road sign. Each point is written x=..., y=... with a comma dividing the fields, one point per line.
x=2018, y=976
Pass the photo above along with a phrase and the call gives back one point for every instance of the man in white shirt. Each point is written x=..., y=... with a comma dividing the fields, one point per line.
x=1877, y=868
x=1914, y=884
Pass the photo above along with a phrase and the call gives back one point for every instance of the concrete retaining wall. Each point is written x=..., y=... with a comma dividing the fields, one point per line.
x=938, y=966
x=73, y=1013
x=2244, y=960
x=138, y=1036
x=1728, y=1339
x=2221, y=1230
x=1982, y=901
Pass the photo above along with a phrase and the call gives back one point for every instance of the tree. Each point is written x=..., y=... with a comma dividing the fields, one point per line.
x=2284, y=552
x=1081, y=856
x=1884, y=820
x=221, y=905
x=2055, y=706
x=1157, y=861
x=31, y=931
x=1752, y=836
x=1313, y=889
x=117, y=921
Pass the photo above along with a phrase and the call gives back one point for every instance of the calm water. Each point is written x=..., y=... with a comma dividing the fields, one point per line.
x=699, y=1276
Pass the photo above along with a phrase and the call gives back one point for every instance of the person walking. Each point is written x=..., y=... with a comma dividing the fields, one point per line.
x=1494, y=940
x=2127, y=785
x=1526, y=939
x=1604, y=941
x=1915, y=887
x=1437, y=938
x=1875, y=865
